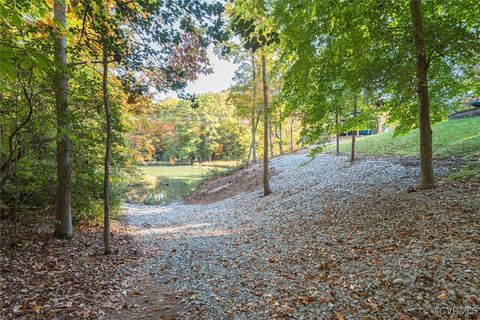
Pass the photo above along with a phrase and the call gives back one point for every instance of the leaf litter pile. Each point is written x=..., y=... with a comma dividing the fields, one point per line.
x=333, y=241
x=45, y=278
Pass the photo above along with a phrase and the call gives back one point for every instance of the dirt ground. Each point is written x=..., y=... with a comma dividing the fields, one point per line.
x=151, y=302
x=244, y=180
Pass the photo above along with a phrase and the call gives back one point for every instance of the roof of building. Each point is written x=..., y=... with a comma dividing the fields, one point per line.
x=474, y=103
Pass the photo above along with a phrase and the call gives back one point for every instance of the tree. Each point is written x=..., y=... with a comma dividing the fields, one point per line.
x=266, y=184
x=63, y=222
x=29, y=80
x=174, y=131
x=108, y=152
x=426, y=163
x=367, y=49
x=337, y=131
x=280, y=134
x=255, y=115
x=243, y=94
x=354, y=132
x=172, y=51
x=250, y=23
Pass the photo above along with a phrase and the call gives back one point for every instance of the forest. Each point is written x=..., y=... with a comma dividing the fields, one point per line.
x=217, y=128
x=337, y=176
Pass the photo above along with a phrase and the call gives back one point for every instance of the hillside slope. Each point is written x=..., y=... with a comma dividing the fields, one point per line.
x=334, y=240
x=457, y=138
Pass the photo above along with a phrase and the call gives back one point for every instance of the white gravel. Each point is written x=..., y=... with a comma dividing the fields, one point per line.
x=333, y=240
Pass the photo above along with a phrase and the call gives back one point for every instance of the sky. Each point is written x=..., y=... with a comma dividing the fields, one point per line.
x=219, y=80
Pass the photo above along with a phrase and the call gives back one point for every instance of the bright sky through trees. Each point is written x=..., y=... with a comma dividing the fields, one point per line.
x=219, y=80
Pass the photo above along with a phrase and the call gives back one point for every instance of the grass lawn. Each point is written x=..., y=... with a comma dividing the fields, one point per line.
x=455, y=138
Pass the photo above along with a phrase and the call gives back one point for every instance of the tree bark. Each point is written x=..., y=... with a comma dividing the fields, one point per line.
x=270, y=137
x=63, y=211
x=302, y=137
x=352, y=153
x=266, y=183
x=280, y=136
x=337, y=134
x=291, y=135
x=254, y=135
x=251, y=147
x=254, y=101
x=427, y=180
x=108, y=155
x=252, y=143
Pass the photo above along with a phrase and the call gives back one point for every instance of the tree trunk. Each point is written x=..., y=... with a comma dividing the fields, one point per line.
x=266, y=184
x=254, y=101
x=352, y=153
x=337, y=134
x=291, y=135
x=108, y=155
x=254, y=133
x=426, y=163
x=254, y=150
x=63, y=210
x=302, y=137
x=280, y=136
x=251, y=147
x=270, y=136
x=252, y=120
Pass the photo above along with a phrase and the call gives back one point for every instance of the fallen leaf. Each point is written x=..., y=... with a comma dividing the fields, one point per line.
x=339, y=315
x=443, y=297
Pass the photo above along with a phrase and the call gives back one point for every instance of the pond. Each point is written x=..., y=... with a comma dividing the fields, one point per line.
x=163, y=184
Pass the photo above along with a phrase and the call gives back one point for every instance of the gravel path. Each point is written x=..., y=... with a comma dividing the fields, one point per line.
x=334, y=240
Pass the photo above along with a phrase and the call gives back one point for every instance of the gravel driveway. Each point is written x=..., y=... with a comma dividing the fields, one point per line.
x=334, y=240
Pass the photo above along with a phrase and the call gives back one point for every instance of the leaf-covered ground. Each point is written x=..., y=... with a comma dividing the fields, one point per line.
x=45, y=278
x=333, y=241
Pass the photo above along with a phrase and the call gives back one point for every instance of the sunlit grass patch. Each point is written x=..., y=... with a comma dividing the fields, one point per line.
x=455, y=138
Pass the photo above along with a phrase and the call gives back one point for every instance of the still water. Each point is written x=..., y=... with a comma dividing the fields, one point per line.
x=163, y=184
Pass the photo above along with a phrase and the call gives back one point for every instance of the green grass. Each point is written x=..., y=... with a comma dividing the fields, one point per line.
x=221, y=163
x=178, y=171
x=469, y=172
x=217, y=172
x=455, y=138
